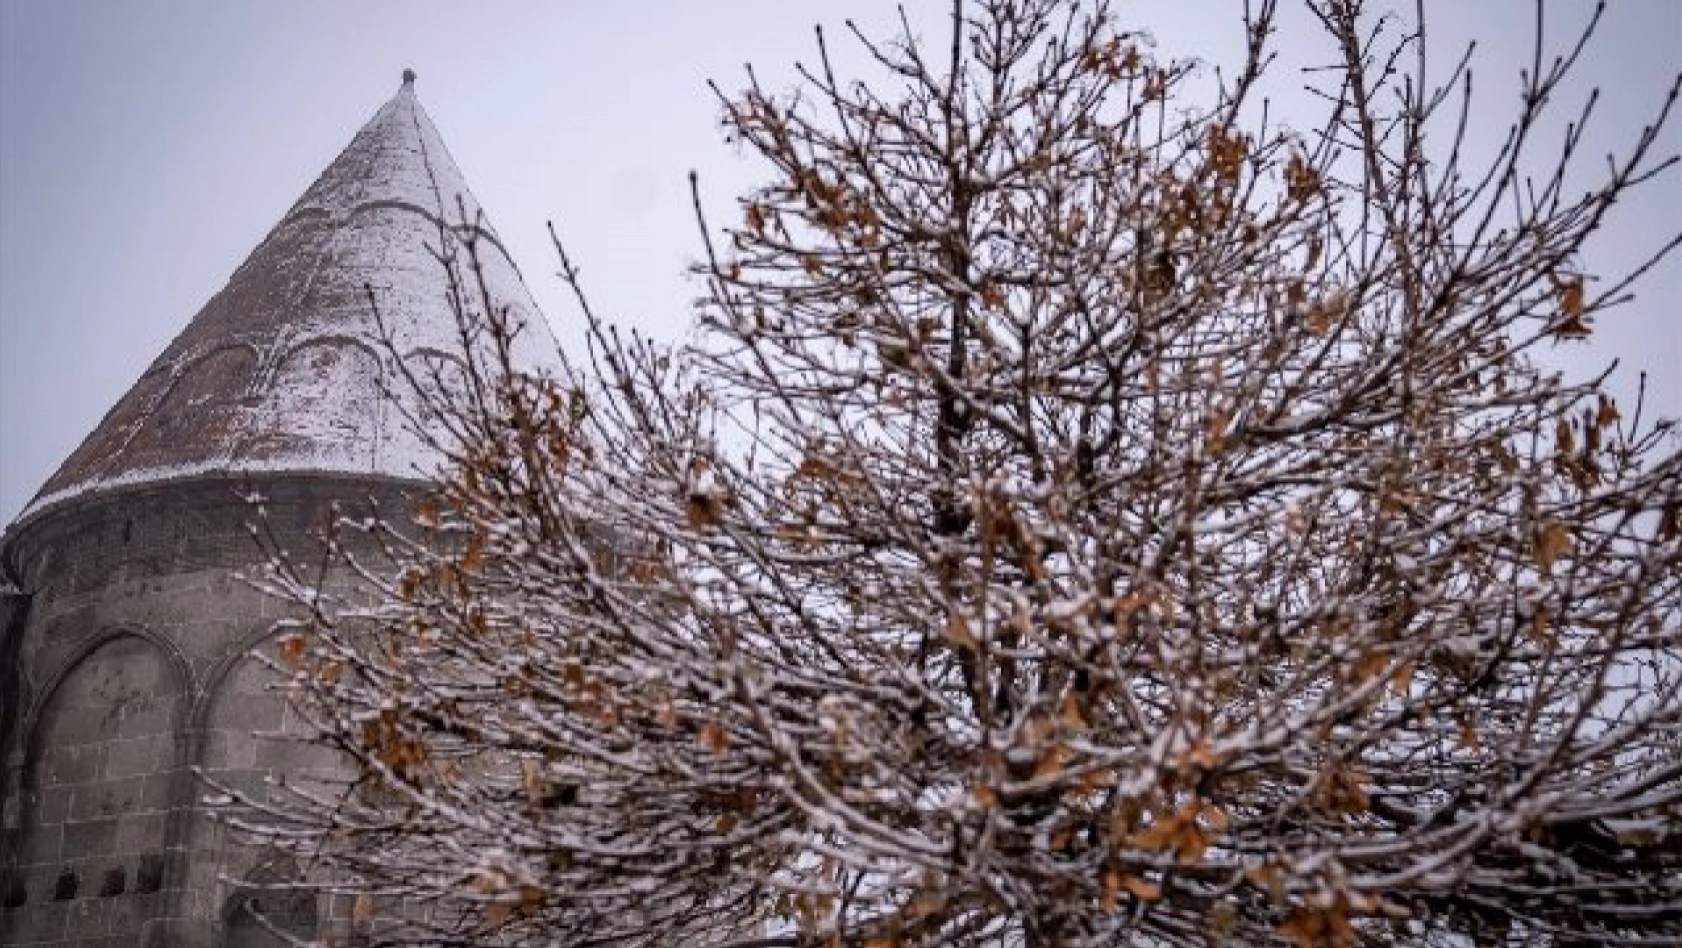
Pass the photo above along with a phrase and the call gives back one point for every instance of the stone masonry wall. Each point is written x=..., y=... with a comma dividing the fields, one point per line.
x=131, y=670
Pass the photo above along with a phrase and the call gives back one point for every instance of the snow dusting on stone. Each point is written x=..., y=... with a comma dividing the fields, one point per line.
x=285, y=368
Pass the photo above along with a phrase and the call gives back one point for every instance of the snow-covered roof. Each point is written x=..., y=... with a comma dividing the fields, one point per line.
x=284, y=368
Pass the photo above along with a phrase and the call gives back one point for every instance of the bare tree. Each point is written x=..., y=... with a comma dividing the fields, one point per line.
x=1087, y=515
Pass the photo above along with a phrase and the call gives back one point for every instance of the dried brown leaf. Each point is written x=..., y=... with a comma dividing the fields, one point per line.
x=293, y=647
x=714, y=738
x=1553, y=540
x=362, y=909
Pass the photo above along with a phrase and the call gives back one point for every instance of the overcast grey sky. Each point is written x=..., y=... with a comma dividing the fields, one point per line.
x=146, y=148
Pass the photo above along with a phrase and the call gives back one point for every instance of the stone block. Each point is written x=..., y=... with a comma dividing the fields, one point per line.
x=88, y=918
x=154, y=717
x=137, y=756
x=204, y=878
x=42, y=922
x=230, y=750
x=141, y=833
x=162, y=792
x=40, y=881
x=70, y=763
x=43, y=844
x=82, y=725
x=290, y=755
x=52, y=805
x=162, y=933
x=107, y=798
x=252, y=713
x=129, y=912
x=90, y=838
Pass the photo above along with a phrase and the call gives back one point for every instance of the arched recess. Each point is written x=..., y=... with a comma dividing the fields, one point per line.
x=104, y=775
x=322, y=398
x=434, y=379
x=269, y=906
x=201, y=409
x=81, y=659
x=474, y=229
x=248, y=740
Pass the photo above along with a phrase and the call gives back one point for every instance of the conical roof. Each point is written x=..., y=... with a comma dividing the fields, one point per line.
x=284, y=369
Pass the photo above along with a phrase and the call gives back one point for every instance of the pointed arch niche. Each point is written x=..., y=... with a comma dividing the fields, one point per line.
x=250, y=739
x=104, y=783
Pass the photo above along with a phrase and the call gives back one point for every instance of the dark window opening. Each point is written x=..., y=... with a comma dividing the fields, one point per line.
x=150, y=878
x=64, y=889
x=13, y=893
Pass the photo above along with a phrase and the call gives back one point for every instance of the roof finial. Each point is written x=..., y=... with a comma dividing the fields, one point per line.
x=408, y=77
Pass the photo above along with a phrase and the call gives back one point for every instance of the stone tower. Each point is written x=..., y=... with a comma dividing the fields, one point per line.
x=126, y=628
